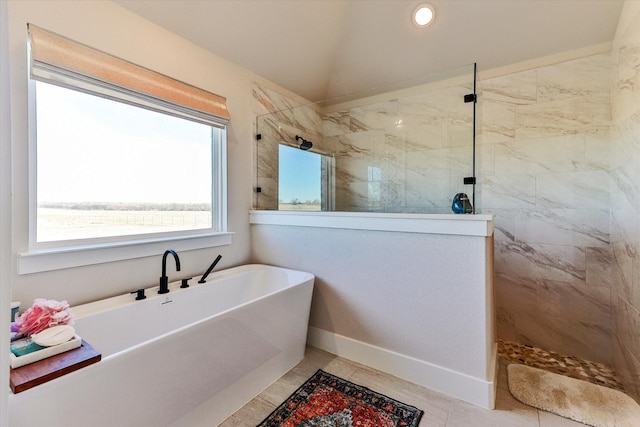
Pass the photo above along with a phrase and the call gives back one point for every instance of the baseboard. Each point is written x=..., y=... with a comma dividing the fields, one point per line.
x=456, y=384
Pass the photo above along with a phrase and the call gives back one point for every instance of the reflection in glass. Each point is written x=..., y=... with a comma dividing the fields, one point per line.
x=406, y=149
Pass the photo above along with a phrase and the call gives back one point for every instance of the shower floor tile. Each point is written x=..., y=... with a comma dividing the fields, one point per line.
x=596, y=373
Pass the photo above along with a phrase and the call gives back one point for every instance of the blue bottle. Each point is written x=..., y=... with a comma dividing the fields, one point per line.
x=461, y=204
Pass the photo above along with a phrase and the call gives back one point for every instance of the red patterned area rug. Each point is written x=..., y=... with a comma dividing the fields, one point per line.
x=329, y=401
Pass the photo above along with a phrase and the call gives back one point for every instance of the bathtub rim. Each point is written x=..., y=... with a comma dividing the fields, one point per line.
x=151, y=292
x=126, y=300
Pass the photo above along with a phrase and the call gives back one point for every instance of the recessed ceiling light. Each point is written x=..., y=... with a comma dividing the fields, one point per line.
x=423, y=15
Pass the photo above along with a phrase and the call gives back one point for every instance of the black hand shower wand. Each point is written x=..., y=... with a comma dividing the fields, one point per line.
x=211, y=267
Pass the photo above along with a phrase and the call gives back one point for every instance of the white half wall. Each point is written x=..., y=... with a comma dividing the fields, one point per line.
x=414, y=304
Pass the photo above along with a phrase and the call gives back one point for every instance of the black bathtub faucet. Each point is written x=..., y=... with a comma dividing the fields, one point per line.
x=164, y=280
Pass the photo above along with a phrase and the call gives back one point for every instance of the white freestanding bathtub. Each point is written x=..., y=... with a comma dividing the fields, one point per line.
x=187, y=358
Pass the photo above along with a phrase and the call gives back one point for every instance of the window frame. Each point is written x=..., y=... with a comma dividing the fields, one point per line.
x=55, y=255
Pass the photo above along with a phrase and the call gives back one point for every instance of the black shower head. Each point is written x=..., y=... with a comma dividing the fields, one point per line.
x=305, y=145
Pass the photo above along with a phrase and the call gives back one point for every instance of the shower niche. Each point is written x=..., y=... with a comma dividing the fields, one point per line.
x=409, y=148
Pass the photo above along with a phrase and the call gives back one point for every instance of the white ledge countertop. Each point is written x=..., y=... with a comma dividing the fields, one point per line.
x=452, y=224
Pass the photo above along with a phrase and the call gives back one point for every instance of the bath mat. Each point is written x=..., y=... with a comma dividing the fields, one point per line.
x=578, y=400
x=327, y=400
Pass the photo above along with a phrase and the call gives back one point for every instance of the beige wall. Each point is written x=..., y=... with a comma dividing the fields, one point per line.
x=110, y=28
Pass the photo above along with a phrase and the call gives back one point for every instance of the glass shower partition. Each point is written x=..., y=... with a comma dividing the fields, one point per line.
x=404, y=149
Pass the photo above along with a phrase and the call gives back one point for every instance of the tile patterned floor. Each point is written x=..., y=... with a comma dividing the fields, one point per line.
x=596, y=373
x=440, y=410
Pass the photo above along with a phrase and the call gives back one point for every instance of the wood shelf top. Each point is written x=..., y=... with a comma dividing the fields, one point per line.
x=28, y=376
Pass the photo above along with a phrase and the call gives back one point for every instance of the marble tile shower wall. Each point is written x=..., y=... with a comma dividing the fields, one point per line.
x=545, y=173
x=625, y=195
x=405, y=155
x=279, y=119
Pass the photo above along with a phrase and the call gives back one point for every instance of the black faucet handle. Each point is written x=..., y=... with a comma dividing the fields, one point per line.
x=139, y=294
x=185, y=282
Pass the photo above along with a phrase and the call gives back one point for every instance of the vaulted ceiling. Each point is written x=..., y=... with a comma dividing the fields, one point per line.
x=321, y=49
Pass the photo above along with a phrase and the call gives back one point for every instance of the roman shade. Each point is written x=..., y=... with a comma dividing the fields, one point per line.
x=59, y=60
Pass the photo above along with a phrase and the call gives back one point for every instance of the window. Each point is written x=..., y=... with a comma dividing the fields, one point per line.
x=108, y=169
x=304, y=180
x=121, y=155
